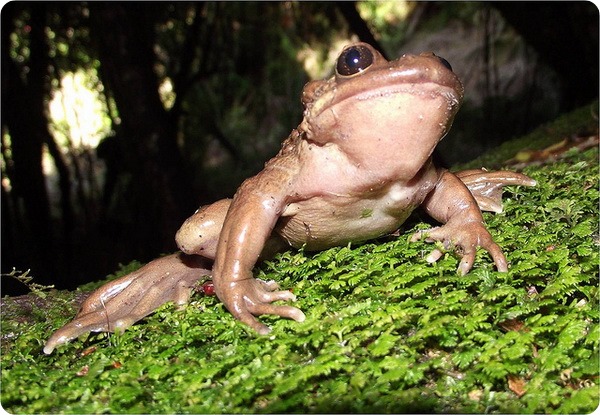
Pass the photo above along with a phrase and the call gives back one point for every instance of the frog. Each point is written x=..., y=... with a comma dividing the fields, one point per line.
x=356, y=167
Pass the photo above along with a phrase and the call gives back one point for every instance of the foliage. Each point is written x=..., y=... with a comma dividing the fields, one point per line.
x=385, y=331
x=24, y=278
x=389, y=20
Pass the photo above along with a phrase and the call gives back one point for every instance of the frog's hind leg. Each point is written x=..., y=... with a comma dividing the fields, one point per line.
x=486, y=186
x=120, y=303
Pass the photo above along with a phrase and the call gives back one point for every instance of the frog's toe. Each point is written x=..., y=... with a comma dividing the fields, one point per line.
x=270, y=285
x=75, y=328
x=497, y=255
x=248, y=319
x=284, y=311
x=248, y=316
x=434, y=255
x=278, y=296
x=466, y=263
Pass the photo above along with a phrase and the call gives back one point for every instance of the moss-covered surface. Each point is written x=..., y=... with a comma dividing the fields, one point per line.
x=385, y=331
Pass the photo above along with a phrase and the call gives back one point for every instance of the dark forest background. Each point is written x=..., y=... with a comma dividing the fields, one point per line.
x=197, y=96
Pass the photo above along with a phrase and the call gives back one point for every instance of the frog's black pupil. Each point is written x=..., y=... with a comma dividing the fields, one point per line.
x=352, y=58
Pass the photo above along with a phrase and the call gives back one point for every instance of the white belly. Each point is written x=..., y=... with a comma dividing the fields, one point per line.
x=330, y=220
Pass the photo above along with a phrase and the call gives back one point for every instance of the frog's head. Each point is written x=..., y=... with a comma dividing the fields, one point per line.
x=380, y=111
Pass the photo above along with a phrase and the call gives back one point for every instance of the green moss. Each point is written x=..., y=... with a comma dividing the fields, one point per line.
x=385, y=331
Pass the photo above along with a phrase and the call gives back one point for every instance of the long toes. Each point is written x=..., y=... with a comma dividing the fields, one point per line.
x=284, y=311
x=466, y=263
x=499, y=258
x=270, y=285
x=94, y=321
x=416, y=236
x=429, y=235
x=278, y=296
x=248, y=319
x=434, y=256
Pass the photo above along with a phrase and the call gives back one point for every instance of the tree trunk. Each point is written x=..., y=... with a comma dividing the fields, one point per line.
x=24, y=116
x=151, y=168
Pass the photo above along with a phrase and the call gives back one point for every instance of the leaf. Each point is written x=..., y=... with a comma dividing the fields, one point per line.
x=383, y=344
x=495, y=370
x=517, y=385
x=465, y=358
x=584, y=229
x=572, y=333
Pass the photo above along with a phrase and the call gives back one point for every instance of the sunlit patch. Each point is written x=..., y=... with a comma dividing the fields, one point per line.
x=78, y=111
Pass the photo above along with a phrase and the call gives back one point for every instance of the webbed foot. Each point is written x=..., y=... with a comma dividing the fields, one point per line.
x=486, y=186
x=120, y=303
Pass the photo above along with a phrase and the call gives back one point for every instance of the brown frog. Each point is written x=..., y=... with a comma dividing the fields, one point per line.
x=353, y=170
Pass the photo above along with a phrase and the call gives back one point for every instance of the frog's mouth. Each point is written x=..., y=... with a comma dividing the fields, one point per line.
x=422, y=91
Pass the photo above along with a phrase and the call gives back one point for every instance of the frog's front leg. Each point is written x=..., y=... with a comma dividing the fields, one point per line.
x=452, y=204
x=250, y=220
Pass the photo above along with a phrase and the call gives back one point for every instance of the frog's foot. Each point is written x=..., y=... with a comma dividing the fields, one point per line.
x=486, y=186
x=120, y=303
x=464, y=237
x=252, y=297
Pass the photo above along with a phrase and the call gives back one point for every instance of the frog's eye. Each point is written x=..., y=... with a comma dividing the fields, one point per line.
x=444, y=62
x=353, y=60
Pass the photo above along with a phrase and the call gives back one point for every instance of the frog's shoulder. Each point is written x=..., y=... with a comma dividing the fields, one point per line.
x=286, y=162
x=291, y=145
x=289, y=155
